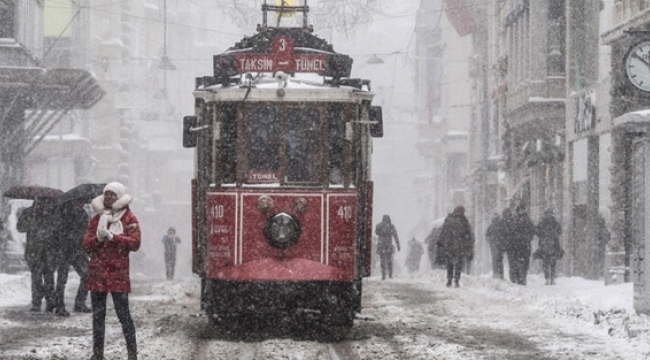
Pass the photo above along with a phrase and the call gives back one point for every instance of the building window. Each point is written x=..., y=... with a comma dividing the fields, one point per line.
x=6, y=19
x=556, y=37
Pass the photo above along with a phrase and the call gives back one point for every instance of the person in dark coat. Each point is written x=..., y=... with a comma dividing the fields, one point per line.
x=38, y=222
x=432, y=242
x=520, y=232
x=414, y=254
x=72, y=225
x=495, y=237
x=456, y=239
x=170, y=241
x=603, y=239
x=111, y=235
x=549, y=250
x=386, y=232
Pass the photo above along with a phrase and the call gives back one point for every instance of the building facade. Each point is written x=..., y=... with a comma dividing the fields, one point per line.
x=441, y=81
x=628, y=108
x=539, y=121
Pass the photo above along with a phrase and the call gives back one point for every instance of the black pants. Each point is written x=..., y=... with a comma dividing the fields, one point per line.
x=386, y=260
x=121, y=303
x=519, y=262
x=79, y=262
x=41, y=269
x=497, y=262
x=548, y=263
x=170, y=264
x=454, y=268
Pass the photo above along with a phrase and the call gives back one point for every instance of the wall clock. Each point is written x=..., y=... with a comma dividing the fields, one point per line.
x=637, y=65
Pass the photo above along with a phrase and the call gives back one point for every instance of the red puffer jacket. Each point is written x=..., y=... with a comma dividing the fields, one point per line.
x=109, y=260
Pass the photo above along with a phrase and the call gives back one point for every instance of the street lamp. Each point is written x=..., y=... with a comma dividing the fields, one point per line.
x=165, y=63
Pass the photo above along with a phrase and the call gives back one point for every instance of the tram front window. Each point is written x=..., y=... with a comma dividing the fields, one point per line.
x=263, y=144
x=302, y=146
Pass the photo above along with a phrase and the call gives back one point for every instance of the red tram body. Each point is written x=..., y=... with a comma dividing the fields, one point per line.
x=282, y=195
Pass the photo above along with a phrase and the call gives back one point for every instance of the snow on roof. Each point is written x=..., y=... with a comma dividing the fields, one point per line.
x=65, y=137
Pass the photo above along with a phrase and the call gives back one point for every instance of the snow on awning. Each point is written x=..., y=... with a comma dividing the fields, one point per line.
x=633, y=121
x=52, y=89
x=460, y=16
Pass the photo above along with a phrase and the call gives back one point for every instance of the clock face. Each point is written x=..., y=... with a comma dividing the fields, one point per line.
x=637, y=66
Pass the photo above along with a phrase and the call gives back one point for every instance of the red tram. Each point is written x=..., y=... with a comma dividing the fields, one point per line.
x=282, y=195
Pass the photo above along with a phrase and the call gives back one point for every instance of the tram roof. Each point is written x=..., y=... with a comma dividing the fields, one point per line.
x=301, y=87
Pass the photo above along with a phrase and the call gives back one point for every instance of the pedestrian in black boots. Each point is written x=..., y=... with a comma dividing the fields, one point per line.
x=456, y=239
x=112, y=234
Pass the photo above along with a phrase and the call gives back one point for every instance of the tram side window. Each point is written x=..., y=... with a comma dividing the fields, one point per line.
x=228, y=143
x=336, y=131
x=303, y=145
x=263, y=147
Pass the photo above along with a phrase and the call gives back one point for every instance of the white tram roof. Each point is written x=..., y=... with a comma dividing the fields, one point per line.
x=302, y=87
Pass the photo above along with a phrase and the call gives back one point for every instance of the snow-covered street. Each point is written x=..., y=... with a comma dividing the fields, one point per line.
x=414, y=318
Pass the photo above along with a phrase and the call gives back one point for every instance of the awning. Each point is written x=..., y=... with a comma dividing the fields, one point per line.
x=51, y=89
x=460, y=16
x=44, y=96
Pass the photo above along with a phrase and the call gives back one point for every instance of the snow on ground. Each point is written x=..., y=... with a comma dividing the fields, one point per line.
x=582, y=305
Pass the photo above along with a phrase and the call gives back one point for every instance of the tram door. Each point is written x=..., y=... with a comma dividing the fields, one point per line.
x=639, y=223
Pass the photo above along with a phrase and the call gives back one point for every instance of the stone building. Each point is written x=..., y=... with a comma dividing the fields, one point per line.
x=441, y=82
x=628, y=108
x=539, y=128
x=37, y=95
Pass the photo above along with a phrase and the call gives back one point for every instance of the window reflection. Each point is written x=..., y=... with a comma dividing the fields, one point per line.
x=302, y=145
x=264, y=144
x=336, y=126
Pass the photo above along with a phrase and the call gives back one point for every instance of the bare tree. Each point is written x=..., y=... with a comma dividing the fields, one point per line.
x=338, y=16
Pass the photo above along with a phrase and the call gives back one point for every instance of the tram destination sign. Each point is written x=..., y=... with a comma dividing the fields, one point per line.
x=283, y=56
x=311, y=63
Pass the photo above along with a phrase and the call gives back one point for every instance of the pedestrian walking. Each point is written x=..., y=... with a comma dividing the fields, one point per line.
x=414, y=255
x=520, y=232
x=549, y=250
x=112, y=234
x=170, y=241
x=38, y=222
x=603, y=239
x=386, y=233
x=456, y=239
x=72, y=224
x=495, y=237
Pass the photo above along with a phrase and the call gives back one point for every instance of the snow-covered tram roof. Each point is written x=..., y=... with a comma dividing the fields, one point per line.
x=299, y=88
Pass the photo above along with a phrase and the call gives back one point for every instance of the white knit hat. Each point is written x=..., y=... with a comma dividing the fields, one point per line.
x=117, y=188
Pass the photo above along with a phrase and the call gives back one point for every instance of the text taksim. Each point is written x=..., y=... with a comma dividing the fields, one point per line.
x=256, y=64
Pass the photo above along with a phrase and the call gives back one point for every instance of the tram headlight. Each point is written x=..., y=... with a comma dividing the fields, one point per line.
x=264, y=204
x=300, y=205
x=282, y=231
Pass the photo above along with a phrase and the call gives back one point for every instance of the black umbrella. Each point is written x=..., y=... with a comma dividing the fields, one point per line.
x=84, y=192
x=31, y=192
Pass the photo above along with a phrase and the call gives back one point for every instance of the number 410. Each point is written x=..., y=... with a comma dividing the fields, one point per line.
x=345, y=212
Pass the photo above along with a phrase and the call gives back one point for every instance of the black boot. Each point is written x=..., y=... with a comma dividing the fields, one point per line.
x=82, y=308
x=98, y=354
x=448, y=282
x=61, y=311
x=133, y=356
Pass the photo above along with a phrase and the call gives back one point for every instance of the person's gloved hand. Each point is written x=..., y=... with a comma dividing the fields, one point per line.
x=397, y=248
x=104, y=235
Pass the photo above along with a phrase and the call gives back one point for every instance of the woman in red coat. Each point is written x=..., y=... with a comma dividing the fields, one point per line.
x=112, y=234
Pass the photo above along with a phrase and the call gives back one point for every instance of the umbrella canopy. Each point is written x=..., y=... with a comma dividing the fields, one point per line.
x=31, y=192
x=84, y=192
